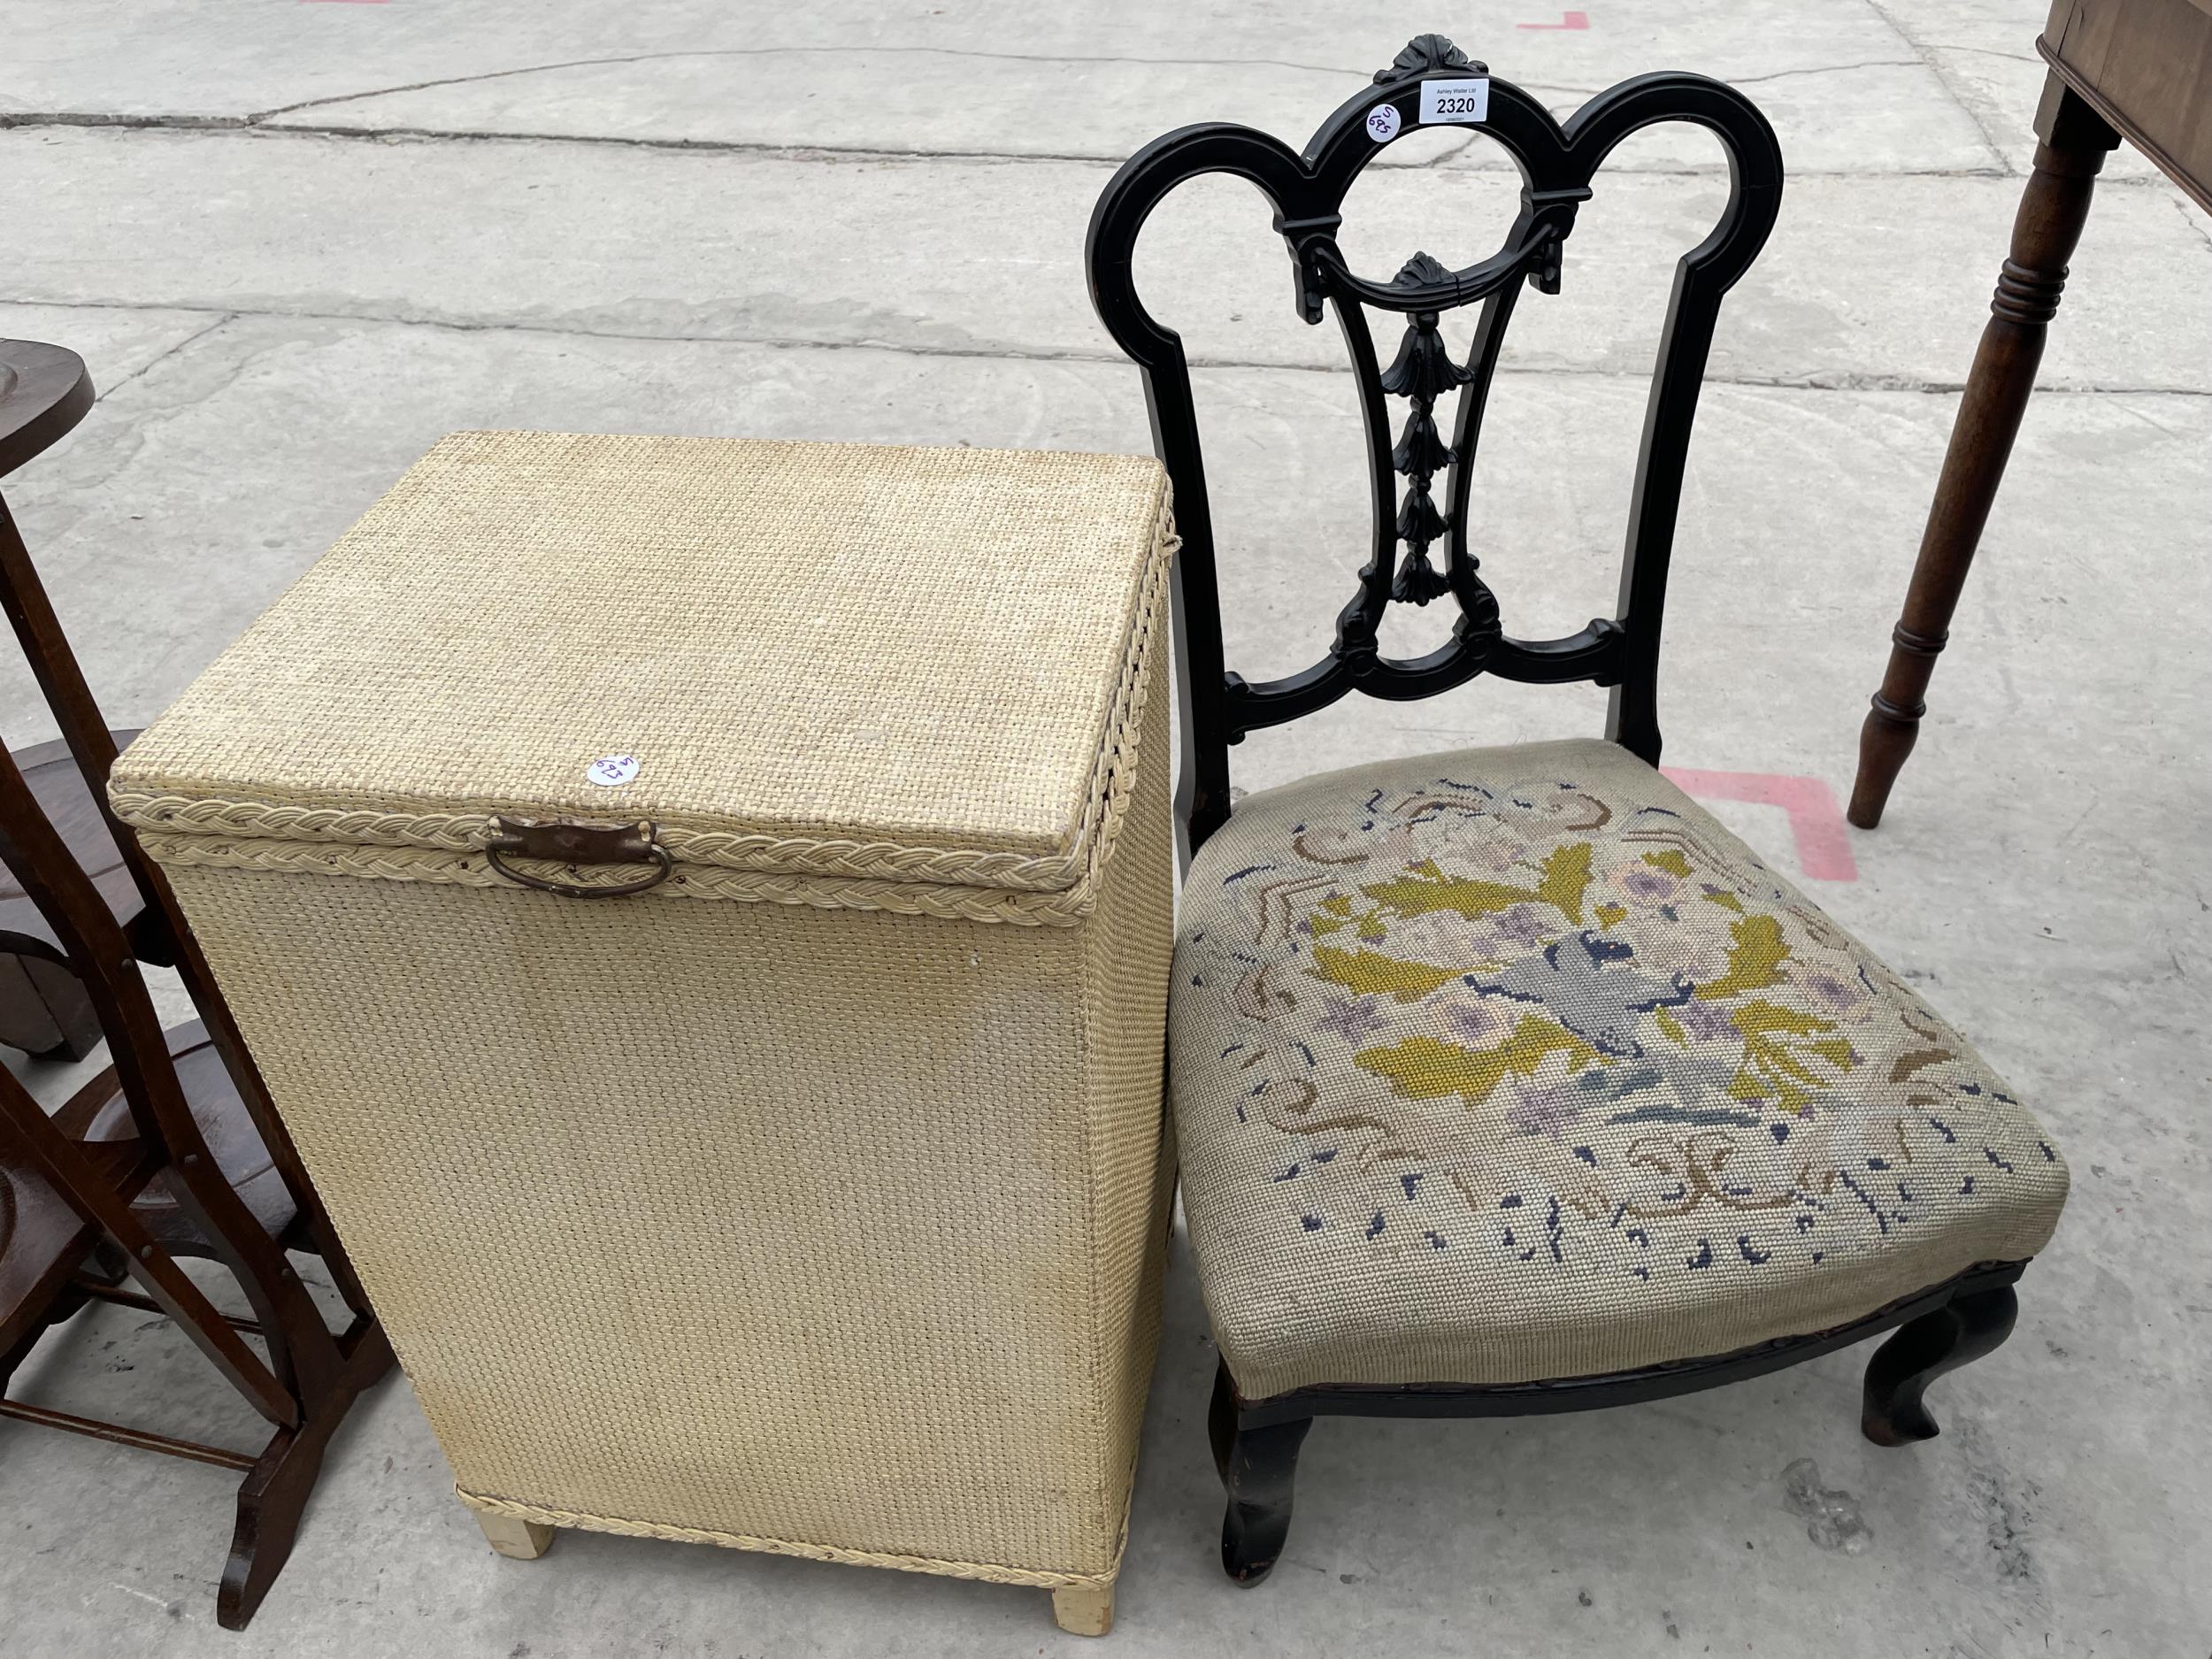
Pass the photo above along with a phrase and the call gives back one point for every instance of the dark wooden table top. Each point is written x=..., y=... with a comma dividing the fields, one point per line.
x=44, y=391
x=2144, y=66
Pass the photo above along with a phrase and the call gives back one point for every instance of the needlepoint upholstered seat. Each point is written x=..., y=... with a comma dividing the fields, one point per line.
x=1513, y=1063
x=1508, y=1080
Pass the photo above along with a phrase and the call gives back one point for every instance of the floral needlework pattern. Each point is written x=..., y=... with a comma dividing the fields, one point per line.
x=1554, y=1024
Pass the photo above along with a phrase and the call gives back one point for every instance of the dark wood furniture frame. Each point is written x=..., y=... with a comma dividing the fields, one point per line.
x=2142, y=70
x=1257, y=1440
x=174, y=1150
x=43, y=1009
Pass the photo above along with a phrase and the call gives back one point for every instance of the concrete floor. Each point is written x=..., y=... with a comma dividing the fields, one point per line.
x=298, y=242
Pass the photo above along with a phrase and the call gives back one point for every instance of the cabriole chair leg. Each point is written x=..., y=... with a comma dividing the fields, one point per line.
x=1258, y=1468
x=1961, y=1331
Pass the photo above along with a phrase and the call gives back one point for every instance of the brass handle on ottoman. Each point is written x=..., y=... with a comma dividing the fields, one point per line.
x=561, y=841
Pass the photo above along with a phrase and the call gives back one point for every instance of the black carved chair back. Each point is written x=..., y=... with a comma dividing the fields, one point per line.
x=1308, y=192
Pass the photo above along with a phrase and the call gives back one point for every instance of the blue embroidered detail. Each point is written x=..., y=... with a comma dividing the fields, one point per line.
x=1410, y=1181
x=1512, y=1201
x=1873, y=1208
x=1312, y=1224
x=1436, y=1240
x=1376, y=1225
x=1757, y=1258
x=1991, y=1154
x=1704, y=1256
x=1289, y=1174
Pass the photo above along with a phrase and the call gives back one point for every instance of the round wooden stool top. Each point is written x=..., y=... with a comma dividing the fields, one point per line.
x=44, y=391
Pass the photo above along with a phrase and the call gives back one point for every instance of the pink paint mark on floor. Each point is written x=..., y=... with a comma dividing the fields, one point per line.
x=1823, y=851
x=1567, y=20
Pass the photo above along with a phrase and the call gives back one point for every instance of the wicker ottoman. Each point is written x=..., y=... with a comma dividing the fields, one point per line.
x=704, y=909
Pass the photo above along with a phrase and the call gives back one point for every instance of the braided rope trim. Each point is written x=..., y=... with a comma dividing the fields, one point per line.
x=1065, y=908
x=184, y=814
x=968, y=883
x=987, y=1572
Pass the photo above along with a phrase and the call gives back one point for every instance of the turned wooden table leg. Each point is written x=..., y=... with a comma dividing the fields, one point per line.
x=2052, y=209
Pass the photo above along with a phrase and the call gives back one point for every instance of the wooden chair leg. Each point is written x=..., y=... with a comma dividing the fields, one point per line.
x=1084, y=1609
x=1258, y=1468
x=274, y=1494
x=2052, y=209
x=1961, y=1331
x=517, y=1540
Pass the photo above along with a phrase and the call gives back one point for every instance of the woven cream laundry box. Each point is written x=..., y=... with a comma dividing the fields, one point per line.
x=814, y=1198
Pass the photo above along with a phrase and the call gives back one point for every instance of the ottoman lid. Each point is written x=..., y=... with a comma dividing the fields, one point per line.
x=835, y=661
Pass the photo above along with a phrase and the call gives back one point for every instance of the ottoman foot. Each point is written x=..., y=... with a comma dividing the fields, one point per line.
x=1084, y=1609
x=517, y=1540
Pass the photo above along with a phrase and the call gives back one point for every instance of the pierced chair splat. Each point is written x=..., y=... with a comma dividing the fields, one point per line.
x=1508, y=1080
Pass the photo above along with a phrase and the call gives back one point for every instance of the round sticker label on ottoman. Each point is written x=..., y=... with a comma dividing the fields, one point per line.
x=611, y=771
x=1382, y=123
